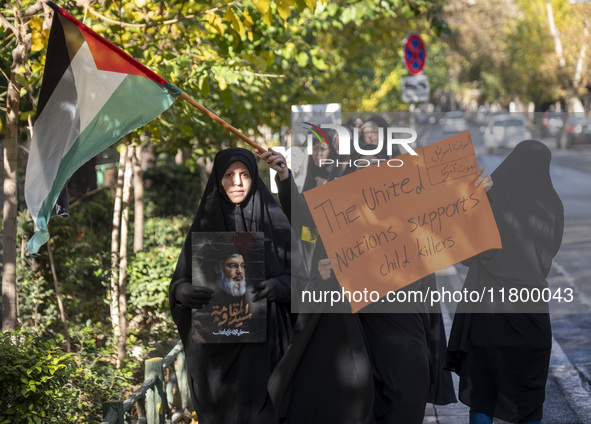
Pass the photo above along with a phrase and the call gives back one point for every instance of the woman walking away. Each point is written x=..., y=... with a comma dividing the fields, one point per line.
x=502, y=355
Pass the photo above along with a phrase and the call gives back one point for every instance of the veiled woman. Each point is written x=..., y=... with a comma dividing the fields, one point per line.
x=502, y=356
x=406, y=348
x=320, y=168
x=228, y=381
x=401, y=354
x=326, y=375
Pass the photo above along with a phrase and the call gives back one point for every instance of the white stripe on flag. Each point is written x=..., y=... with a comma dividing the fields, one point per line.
x=94, y=87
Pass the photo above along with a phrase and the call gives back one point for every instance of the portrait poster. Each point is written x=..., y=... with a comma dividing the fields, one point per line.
x=231, y=264
x=386, y=227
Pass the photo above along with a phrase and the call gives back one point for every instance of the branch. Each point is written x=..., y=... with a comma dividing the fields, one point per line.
x=58, y=296
x=169, y=22
x=85, y=195
x=6, y=24
x=68, y=5
x=33, y=10
x=9, y=81
x=4, y=73
x=113, y=21
x=257, y=74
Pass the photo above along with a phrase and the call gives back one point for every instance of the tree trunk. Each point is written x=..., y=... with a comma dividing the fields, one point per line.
x=138, y=197
x=555, y=35
x=9, y=289
x=582, y=54
x=573, y=103
x=123, y=252
x=115, y=235
x=58, y=295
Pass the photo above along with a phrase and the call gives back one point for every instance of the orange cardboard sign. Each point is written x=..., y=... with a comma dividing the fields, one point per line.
x=386, y=227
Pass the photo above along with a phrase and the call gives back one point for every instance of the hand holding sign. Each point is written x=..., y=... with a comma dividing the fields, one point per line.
x=385, y=228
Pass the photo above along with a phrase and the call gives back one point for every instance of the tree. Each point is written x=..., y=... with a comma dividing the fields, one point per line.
x=361, y=46
x=509, y=49
x=570, y=75
x=245, y=60
x=18, y=71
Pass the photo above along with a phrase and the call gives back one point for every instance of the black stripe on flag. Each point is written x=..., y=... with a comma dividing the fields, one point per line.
x=64, y=41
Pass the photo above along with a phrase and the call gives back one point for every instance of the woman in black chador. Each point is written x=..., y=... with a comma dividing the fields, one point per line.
x=388, y=366
x=502, y=356
x=321, y=165
x=325, y=377
x=228, y=381
x=407, y=348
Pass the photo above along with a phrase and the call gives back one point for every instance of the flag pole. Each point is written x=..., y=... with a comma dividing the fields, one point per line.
x=224, y=124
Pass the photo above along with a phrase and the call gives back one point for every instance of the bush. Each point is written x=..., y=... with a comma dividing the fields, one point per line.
x=81, y=253
x=34, y=379
x=149, y=273
x=42, y=384
x=166, y=232
x=39, y=382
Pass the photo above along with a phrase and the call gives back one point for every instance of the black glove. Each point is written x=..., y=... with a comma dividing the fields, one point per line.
x=191, y=296
x=264, y=289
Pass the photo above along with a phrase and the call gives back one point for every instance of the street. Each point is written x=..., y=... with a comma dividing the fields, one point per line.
x=568, y=390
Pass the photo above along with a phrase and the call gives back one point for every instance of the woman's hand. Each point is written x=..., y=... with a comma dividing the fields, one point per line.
x=483, y=178
x=265, y=290
x=325, y=268
x=275, y=161
x=190, y=296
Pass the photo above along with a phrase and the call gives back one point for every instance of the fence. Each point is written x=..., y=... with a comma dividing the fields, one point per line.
x=156, y=398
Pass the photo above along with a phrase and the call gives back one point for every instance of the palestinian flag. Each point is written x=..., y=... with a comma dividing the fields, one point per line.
x=93, y=93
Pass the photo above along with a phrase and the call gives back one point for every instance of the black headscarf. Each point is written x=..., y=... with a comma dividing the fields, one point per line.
x=228, y=381
x=351, y=121
x=323, y=171
x=378, y=121
x=529, y=215
x=258, y=212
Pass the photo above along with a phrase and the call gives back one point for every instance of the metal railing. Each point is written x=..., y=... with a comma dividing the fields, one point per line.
x=156, y=398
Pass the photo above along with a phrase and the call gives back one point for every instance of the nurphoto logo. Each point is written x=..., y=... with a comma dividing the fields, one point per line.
x=386, y=136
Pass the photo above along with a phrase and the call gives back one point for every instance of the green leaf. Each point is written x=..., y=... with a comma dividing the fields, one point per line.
x=302, y=59
x=319, y=63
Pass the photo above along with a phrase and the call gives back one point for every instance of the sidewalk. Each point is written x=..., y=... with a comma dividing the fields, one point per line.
x=454, y=413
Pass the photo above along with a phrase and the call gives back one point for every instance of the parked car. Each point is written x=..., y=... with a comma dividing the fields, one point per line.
x=481, y=116
x=552, y=122
x=577, y=131
x=505, y=131
x=454, y=122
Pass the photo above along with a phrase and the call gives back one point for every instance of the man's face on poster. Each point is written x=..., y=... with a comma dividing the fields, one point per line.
x=231, y=275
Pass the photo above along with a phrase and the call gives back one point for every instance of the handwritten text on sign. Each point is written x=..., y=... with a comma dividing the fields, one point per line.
x=387, y=227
